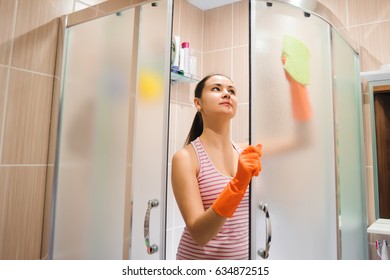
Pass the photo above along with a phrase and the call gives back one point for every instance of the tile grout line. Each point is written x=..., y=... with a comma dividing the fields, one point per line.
x=369, y=23
x=225, y=49
x=32, y=72
x=27, y=165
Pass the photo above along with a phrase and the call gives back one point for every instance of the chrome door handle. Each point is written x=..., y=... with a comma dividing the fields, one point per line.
x=151, y=249
x=264, y=253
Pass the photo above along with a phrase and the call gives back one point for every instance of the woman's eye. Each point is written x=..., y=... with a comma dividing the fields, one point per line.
x=232, y=91
x=215, y=89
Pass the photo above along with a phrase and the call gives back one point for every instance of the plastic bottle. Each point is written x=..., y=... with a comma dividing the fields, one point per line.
x=186, y=58
x=175, y=54
x=384, y=253
x=193, y=66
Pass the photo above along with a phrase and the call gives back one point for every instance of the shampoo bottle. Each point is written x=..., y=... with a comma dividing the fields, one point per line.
x=186, y=58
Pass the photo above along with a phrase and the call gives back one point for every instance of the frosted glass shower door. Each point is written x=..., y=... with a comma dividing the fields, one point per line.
x=111, y=150
x=298, y=180
x=92, y=158
x=150, y=147
x=349, y=119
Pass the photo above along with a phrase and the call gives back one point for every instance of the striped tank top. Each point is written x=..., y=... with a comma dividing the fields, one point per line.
x=232, y=242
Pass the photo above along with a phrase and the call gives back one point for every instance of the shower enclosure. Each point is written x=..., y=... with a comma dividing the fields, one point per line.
x=312, y=180
x=111, y=170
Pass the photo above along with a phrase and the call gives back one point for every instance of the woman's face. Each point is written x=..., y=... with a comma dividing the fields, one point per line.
x=218, y=97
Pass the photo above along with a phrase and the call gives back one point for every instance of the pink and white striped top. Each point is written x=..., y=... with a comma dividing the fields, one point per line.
x=232, y=242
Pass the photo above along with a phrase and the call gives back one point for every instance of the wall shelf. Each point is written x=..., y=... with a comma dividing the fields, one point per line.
x=176, y=77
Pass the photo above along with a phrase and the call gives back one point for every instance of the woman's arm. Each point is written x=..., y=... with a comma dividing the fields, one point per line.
x=203, y=225
x=301, y=137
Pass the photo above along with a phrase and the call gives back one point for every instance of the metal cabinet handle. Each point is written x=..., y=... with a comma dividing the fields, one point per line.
x=151, y=249
x=264, y=253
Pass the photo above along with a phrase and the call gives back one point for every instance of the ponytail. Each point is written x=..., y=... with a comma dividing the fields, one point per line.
x=196, y=128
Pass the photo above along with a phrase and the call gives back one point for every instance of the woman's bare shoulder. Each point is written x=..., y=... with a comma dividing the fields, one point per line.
x=184, y=165
x=186, y=156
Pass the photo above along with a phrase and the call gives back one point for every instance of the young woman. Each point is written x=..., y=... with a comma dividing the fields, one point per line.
x=210, y=178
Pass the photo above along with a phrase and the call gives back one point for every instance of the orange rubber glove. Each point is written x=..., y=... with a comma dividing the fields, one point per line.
x=299, y=96
x=248, y=166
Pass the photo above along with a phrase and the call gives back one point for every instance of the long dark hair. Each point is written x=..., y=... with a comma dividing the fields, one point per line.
x=197, y=124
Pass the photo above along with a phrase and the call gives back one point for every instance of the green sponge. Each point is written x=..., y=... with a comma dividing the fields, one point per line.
x=297, y=59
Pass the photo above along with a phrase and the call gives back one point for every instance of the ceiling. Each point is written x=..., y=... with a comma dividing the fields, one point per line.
x=207, y=4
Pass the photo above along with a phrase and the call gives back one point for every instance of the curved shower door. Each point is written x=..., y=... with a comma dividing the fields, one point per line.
x=298, y=179
x=311, y=180
x=111, y=150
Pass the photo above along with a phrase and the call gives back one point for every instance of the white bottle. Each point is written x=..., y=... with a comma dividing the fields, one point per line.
x=186, y=58
x=384, y=253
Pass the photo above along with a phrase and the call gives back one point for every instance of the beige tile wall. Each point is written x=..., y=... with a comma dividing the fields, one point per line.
x=28, y=45
x=226, y=44
x=4, y=71
x=240, y=69
x=26, y=127
x=27, y=51
x=21, y=205
x=7, y=22
x=368, y=23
